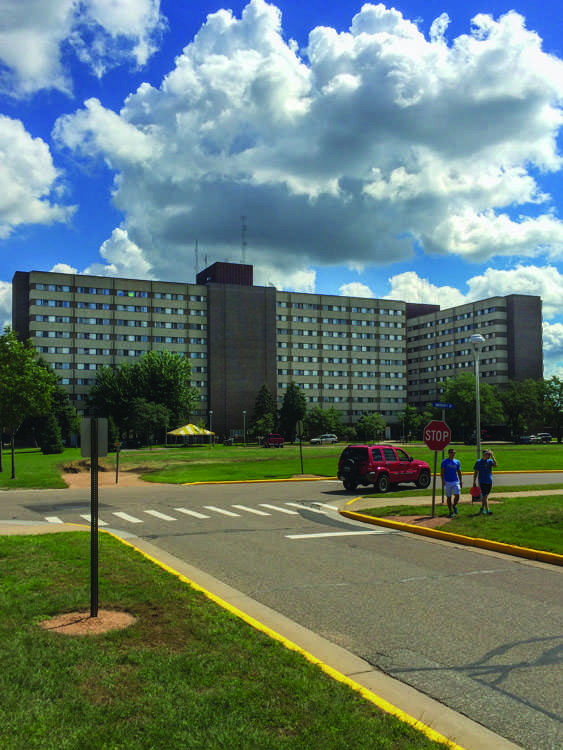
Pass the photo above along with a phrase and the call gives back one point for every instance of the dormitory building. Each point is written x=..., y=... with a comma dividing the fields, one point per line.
x=355, y=354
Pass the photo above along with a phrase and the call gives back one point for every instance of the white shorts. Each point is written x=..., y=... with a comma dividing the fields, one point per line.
x=452, y=488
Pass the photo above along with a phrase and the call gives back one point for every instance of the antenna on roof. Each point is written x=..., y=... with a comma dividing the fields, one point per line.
x=196, y=261
x=243, y=228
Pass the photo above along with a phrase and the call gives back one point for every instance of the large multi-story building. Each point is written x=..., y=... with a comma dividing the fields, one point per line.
x=354, y=354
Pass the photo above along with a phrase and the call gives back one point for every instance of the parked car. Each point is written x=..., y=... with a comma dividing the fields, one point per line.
x=382, y=466
x=273, y=440
x=328, y=438
x=544, y=437
x=526, y=439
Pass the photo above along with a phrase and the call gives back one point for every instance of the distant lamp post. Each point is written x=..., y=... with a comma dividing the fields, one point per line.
x=211, y=425
x=477, y=341
x=244, y=428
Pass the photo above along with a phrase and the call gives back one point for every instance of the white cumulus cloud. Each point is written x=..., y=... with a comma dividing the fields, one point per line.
x=362, y=144
x=5, y=305
x=103, y=33
x=124, y=258
x=29, y=180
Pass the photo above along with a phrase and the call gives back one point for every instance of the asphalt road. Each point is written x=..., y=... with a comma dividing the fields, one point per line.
x=480, y=632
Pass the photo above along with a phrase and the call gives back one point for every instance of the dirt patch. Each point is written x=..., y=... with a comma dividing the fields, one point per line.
x=80, y=623
x=82, y=479
x=427, y=521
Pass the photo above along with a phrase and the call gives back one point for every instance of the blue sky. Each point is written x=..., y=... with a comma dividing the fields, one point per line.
x=410, y=151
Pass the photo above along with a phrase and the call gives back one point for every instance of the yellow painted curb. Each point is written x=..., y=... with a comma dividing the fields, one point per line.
x=470, y=541
x=259, y=481
x=335, y=674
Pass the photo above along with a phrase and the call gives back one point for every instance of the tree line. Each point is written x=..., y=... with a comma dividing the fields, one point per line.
x=145, y=398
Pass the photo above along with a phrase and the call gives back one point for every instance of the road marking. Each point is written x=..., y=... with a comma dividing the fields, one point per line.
x=221, y=510
x=307, y=507
x=252, y=510
x=280, y=510
x=88, y=517
x=193, y=513
x=53, y=519
x=127, y=517
x=158, y=514
x=333, y=533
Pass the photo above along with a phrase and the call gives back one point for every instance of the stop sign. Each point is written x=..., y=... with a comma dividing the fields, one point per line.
x=437, y=435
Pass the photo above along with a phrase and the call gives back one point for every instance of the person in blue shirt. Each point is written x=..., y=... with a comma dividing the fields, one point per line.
x=450, y=473
x=483, y=471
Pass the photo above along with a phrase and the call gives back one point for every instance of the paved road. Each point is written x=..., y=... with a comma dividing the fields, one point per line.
x=482, y=633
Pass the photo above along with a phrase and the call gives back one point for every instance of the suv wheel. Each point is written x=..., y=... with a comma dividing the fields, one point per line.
x=382, y=483
x=349, y=484
x=423, y=480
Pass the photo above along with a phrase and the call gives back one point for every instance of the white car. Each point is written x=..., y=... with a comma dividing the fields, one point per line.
x=329, y=438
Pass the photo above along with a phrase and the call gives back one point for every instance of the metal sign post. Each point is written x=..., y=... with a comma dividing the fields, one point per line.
x=436, y=436
x=93, y=444
x=299, y=431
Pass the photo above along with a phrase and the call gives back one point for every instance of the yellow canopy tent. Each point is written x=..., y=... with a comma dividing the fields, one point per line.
x=189, y=431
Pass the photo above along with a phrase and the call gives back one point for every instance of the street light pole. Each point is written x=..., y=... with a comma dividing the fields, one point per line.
x=477, y=341
x=244, y=428
x=211, y=425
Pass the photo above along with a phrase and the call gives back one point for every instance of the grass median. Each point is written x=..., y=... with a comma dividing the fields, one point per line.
x=186, y=674
x=535, y=522
x=221, y=463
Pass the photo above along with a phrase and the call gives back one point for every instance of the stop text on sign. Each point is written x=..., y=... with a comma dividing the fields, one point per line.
x=437, y=435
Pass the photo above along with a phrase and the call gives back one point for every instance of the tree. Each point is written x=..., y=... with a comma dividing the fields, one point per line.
x=293, y=409
x=460, y=391
x=521, y=403
x=408, y=418
x=265, y=411
x=26, y=388
x=64, y=412
x=319, y=421
x=50, y=440
x=158, y=378
x=553, y=404
x=148, y=419
x=370, y=427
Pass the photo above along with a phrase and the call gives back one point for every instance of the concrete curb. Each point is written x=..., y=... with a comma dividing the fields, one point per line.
x=508, y=549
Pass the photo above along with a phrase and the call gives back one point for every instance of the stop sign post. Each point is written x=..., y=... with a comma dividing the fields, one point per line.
x=437, y=435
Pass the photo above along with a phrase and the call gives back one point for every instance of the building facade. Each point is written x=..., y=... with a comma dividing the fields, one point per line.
x=357, y=355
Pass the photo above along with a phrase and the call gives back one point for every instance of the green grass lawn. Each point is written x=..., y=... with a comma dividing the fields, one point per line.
x=533, y=522
x=186, y=674
x=221, y=463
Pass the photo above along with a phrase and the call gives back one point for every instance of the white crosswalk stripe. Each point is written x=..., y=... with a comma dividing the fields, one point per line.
x=281, y=510
x=192, y=513
x=158, y=514
x=252, y=510
x=222, y=511
x=306, y=507
x=87, y=517
x=54, y=519
x=127, y=517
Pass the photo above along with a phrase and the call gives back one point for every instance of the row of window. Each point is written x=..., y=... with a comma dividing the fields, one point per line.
x=157, y=310
x=118, y=292
x=460, y=316
x=338, y=322
x=343, y=360
x=340, y=308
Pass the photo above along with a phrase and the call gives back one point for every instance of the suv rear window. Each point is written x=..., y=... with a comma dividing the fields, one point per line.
x=358, y=454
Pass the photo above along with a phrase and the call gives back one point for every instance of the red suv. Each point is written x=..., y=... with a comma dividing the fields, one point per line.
x=273, y=440
x=382, y=466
